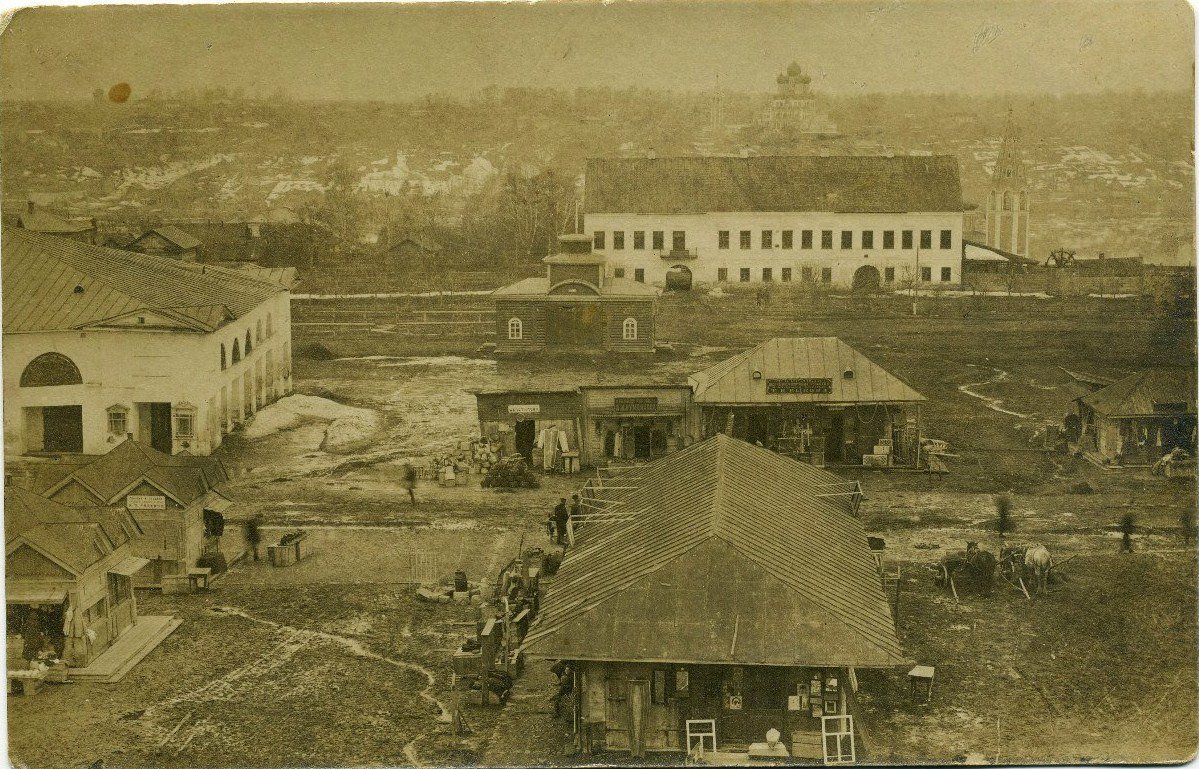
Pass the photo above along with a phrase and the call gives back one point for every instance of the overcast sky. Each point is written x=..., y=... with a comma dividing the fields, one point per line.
x=386, y=51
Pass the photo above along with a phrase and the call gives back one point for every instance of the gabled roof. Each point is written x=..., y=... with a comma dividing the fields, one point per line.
x=74, y=537
x=53, y=284
x=977, y=251
x=175, y=236
x=1156, y=391
x=729, y=554
x=869, y=184
x=613, y=287
x=183, y=478
x=732, y=380
x=44, y=221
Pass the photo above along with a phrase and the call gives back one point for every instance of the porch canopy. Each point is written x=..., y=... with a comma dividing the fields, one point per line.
x=722, y=553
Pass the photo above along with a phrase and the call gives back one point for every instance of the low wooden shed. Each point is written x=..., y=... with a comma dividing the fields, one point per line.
x=722, y=589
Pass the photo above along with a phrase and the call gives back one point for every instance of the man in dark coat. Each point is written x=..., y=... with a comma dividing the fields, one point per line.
x=561, y=516
x=410, y=481
x=253, y=535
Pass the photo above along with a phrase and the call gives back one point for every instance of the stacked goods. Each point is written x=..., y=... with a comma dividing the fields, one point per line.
x=475, y=457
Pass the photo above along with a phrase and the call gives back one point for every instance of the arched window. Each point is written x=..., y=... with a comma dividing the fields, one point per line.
x=630, y=328
x=222, y=356
x=991, y=199
x=1023, y=201
x=1007, y=201
x=49, y=369
x=269, y=331
x=236, y=352
x=249, y=342
x=516, y=329
x=258, y=331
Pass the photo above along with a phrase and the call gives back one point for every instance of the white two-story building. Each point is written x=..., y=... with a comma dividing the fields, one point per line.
x=101, y=345
x=866, y=221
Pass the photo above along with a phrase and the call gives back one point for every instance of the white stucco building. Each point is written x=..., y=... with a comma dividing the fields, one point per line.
x=840, y=220
x=101, y=345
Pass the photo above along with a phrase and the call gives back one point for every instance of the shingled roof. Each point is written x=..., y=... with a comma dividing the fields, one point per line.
x=174, y=235
x=75, y=537
x=732, y=381
x=730, y=554
x=57, y=284
x=857, y=184
x=184, y=478
x=1154, y=392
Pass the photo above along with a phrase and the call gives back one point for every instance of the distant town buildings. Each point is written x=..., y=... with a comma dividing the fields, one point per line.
x=1007, y=207
x=867, y=221
x=102, y=344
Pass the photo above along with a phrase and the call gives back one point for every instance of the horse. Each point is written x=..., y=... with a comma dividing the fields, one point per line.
x=1038, y=561
x=975, y=564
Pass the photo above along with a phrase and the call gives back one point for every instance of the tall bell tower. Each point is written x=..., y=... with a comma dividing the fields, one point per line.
x=1007, y=206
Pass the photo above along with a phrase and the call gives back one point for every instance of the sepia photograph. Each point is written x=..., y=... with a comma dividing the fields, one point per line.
x=578, y=383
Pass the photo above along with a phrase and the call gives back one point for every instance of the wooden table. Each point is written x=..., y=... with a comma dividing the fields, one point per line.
x=922, y=674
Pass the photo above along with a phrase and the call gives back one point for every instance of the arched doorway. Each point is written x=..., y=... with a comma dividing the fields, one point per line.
x=866, y=278
x=678, y=278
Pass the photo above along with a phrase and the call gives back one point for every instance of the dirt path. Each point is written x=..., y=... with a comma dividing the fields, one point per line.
x=991, y=402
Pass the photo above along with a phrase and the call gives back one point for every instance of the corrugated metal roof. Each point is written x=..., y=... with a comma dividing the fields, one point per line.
x=721, y=535
x=870, y=184
x=613, y=287
x=1142, y=393
x=732, y=382
x=41, y=273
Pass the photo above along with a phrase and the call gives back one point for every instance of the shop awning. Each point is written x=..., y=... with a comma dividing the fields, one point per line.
x=130, y=566
x=18, y=593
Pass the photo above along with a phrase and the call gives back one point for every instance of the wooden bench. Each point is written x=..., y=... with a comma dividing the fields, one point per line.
x=29, y=680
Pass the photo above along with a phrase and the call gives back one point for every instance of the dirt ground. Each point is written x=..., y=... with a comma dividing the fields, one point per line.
x=333, y=662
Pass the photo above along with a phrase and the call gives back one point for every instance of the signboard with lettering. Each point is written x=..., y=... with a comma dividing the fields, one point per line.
x=145, y=502
x=636, y=405
x=799, y=386
x=530, y=408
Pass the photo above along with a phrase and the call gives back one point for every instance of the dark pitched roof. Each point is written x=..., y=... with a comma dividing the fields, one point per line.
x=773, y=183
x=722, y=541
x=173, y=234
x=184, y=478
x=41, y=273
x=979, y=251
x=825, y=357
x=1146, y=393
x=76, y=537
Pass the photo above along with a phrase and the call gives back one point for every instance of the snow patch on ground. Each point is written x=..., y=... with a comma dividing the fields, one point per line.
x=440, y=360
x=349, y=426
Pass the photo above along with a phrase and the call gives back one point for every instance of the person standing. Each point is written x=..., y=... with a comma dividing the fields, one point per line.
x=561, y=516
x=410, y=481
x=253, y=535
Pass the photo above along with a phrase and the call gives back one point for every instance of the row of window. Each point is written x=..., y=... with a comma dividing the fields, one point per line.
x=826, y=274
x=250, y=341
x=185, y=420
x=865, y=240
x=516, y=329
x=678, y=240
x=787, y=240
